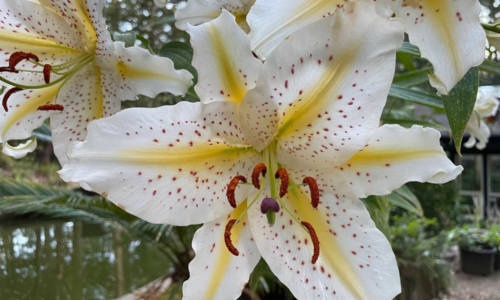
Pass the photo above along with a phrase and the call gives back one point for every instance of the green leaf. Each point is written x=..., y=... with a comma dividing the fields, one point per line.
x=379, y=209
x=490, y=67
x=43, y=133
x=405, y=59
x=182, y=55
x=2, y=89
x=412, y=78
x=127, y=37
x=145, y=42
x=459, y=105
x=406, y=199
x=409, y=49
x=416, y=96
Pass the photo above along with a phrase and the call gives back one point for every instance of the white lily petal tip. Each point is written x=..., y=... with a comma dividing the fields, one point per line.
x=21, y=150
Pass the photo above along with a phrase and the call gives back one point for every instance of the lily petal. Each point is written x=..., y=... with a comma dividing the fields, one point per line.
x=161, y=163
x=44, y=33
x=146, y=74
x=323, y=89
x=272, y=21
x=479, y=130
x=197, y=12
x=20, y=150
x=355, y=260
x=396, y=155
x=215, y=273
x=23, y=115
x=487, y=102
x=224, y=61
x=71, y=125
x=82, y=15
x=448, y=34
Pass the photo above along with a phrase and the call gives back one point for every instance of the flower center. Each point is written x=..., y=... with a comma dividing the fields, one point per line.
x=279, y=185
x=63, y=72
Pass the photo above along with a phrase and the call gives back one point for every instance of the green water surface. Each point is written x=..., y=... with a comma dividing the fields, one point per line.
x=56, y=260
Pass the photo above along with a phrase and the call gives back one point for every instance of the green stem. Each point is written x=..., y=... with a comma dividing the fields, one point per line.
x=69, y=74
x=253, y=201
x=491, y=27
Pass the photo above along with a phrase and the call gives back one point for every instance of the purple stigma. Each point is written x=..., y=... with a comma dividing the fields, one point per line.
x=269, y=203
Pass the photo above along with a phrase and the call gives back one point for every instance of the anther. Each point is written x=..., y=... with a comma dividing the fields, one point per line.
x=259, y=169
x=269, y=204
x=227, y=238
x=231, y=188
x=7, y=96
x=17, y=57
x=314, y=239
x=46, y=73
x=282, y=175
x=49, y=107
x=313, y=187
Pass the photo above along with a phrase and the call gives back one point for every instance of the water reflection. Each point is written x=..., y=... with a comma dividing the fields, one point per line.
x=56, y=260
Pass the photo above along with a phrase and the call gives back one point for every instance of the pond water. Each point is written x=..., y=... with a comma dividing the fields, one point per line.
x=56, y=260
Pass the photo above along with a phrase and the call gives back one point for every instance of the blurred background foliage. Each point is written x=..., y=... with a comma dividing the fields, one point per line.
x=56, y=235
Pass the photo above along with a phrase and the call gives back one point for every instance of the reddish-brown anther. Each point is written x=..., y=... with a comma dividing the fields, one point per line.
x=259, y=169
x=7, y=96
x=313, y=187
x=231, y=189
x=17, y=57
x=8, y=69
x=314, y=239
x=46, y=73
x=282, y=175
x=227, y=238
x=49, y=107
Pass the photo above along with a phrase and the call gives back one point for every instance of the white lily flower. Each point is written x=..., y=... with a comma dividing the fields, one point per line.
x=197, y=12
x=447, y=32
x=309, y=117
x=486, y=106
x=62, y=64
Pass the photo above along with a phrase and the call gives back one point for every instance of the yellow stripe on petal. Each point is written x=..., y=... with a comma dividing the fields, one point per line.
x=440, y=14
x=31, y=105
x=195, y=155
x=369, y=157
x=131, y=73
x=224, y=257
x=331, y=251
x=30, y=43
x=318, y=97
x=233, y=86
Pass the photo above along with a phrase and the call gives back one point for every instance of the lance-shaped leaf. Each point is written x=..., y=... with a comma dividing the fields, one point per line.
x=459, y=105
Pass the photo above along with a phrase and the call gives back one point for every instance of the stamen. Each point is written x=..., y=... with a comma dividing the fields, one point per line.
x=48, y=107
x=7, y=96
x=17, y=57
x=259, y=169
x=313, y=187
x=282, y=175
x=8, y=69
x=46, y=73
x=227, y=238
x=314, y=239
x=231, y=188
